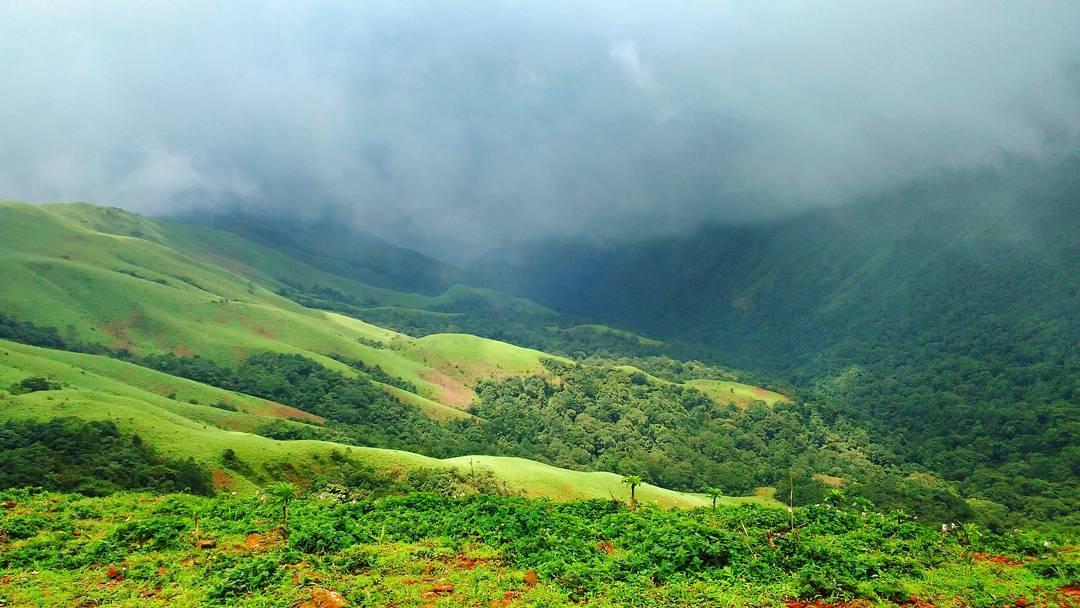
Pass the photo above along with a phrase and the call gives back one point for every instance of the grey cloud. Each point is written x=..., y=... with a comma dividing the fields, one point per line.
x=453, y=126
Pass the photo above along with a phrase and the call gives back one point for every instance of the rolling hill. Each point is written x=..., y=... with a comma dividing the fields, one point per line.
x=123, y=283
x=180, y=418
x=942, y=317
x=111, y=277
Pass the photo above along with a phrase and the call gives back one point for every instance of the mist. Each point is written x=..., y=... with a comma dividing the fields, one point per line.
x=453, y=127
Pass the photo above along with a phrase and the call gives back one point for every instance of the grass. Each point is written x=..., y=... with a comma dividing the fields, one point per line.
x=140, y=550
x=105, y=275
x=725, y=391
x=720, y=391
x=108, y=276
x=621, y=333
x=157, y=407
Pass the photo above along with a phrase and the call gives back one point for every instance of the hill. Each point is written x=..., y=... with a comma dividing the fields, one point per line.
x=217, y=309
x=175, y=306
x=111, y=277
x=185, y=419
x=941, y=317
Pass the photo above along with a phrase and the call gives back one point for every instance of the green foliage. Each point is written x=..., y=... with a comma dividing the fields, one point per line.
x=33, y=384
x=368, y=415
x=375, y=373
x=246, y=576
x=49, y=337
x=595, y=552
x=153, y=534
x=93, y=458
x=939, y=318
x=600, y=418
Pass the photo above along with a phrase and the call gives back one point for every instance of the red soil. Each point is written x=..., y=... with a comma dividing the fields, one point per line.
x=454, y=393
x=1000, y=560
x=221, y=479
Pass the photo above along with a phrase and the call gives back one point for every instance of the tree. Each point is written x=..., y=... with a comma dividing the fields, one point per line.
x=834, y=497
x=714, y=494
x=633, y=481
x=282, y=494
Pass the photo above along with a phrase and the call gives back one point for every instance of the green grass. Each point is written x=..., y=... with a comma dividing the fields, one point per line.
x=724, y=391
x=621, y=333
x=411, y=552
x=78, y=268
x=108, y=276
x=720, y=391
x=140, y=400
x=542, y=480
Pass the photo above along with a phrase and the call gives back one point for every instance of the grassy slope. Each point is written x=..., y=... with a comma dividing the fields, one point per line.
x=78, y=268
x=136, y=399
x=105, y=275
x=622, y=333
x=720, y=391
x=274, y=269
x=724, y=391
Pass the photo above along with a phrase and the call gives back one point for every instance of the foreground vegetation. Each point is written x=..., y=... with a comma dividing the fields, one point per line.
x=427, y=549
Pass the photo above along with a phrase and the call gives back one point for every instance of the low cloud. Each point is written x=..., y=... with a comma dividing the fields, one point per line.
x=455, y=126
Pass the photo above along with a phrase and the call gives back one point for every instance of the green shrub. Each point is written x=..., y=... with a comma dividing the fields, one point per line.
x=246, y=576
x=153, y=534
x=356, y=559
x=24, y=526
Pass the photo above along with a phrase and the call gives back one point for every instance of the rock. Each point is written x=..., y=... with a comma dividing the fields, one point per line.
x=325, y=598
x=530, y=578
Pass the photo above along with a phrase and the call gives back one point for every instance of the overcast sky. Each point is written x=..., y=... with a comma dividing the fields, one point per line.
x=455, y=125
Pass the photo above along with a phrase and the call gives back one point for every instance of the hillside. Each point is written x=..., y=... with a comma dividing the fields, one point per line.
x=941, y=317
x=147, y=357
x=115, y=278
x=215, y=308
x=154, y=295
x=181, y=418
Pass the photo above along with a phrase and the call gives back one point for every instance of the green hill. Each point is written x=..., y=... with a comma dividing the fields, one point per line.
x=160, y=409
x=125, y=283
x=940, y=318
x=107, y=276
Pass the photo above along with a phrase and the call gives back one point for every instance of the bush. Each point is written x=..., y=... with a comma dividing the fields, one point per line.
x=152, y=534
x=246, y=576
x=33, y=385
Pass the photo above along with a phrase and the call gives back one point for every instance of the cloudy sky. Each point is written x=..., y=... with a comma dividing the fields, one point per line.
x=453, y=126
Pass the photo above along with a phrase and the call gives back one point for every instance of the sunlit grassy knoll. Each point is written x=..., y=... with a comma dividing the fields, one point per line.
x=720, y=391
x=125, y=379
x=542, y=480
x=605, y=330
x=725, y=391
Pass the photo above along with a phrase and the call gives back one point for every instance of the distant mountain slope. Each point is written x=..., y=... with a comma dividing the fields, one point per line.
x=106, y=276
x=458, y=309
x=340, y=248
x=918, y=264
x=945, y=317
x=196, y=303
x=154, y=406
